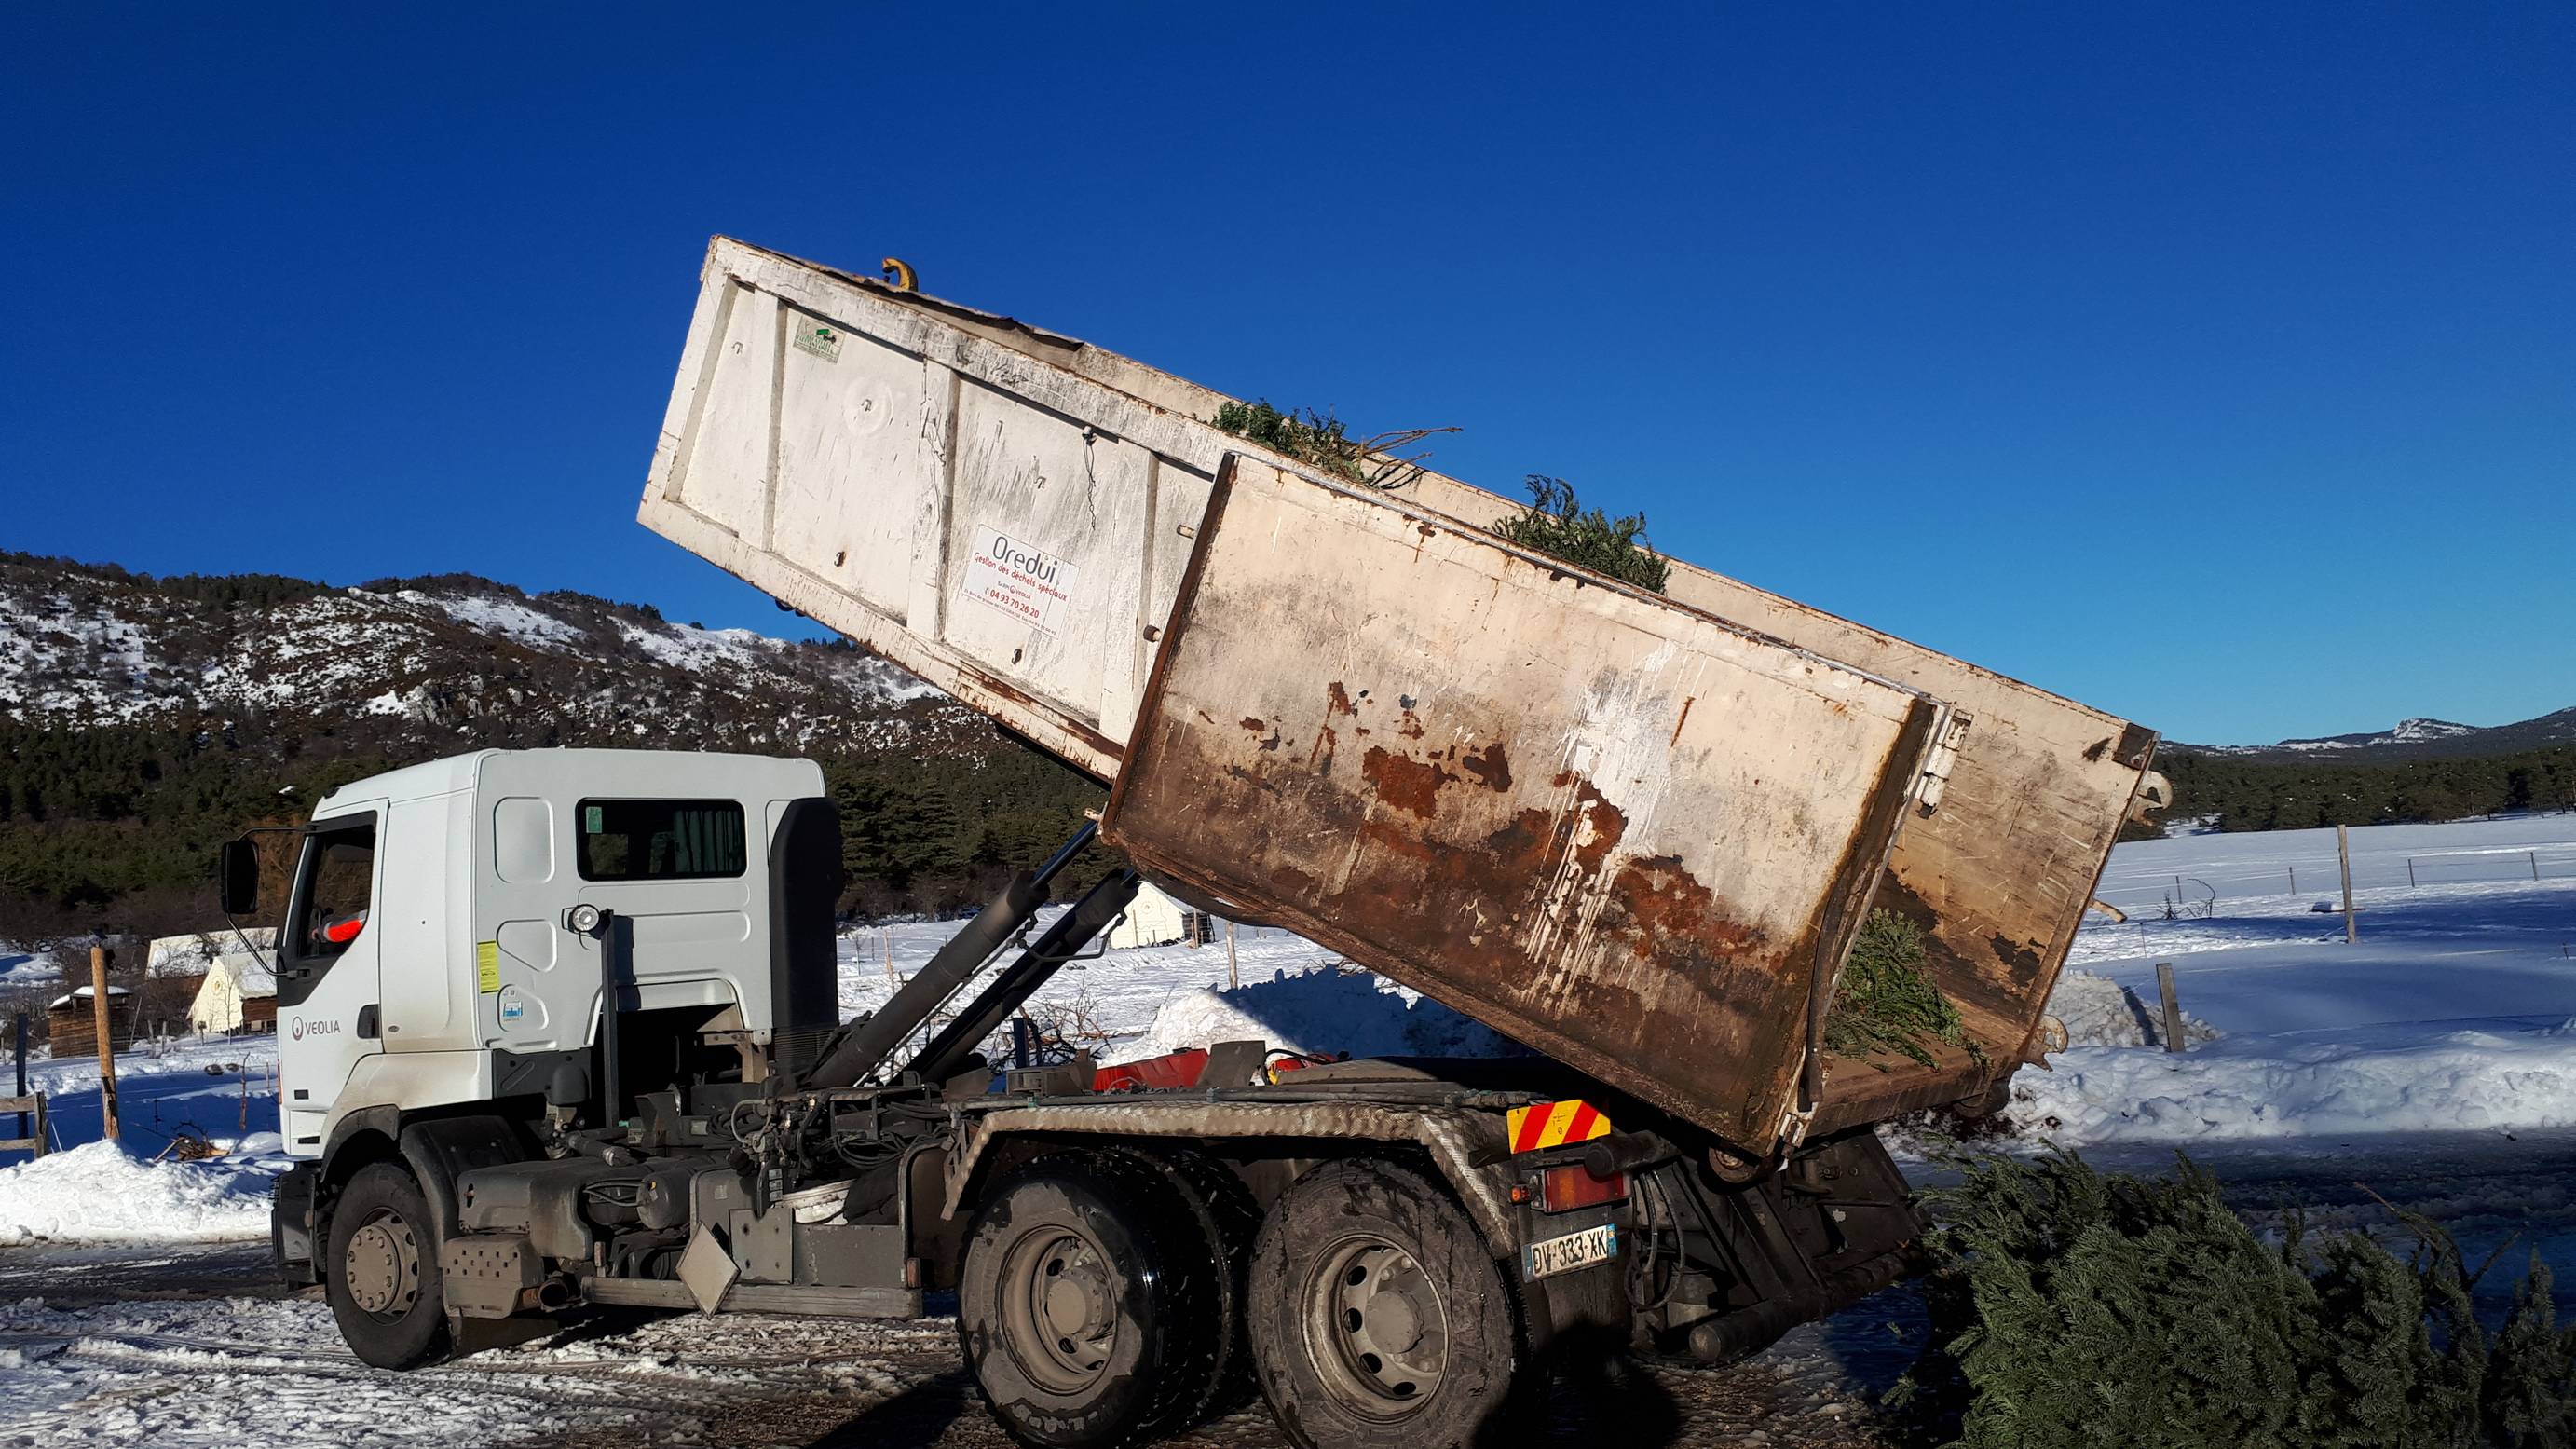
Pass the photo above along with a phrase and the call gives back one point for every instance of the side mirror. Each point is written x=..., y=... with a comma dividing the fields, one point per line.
x=237, y=878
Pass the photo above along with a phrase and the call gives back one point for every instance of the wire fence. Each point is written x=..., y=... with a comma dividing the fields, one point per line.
x=2203, y=888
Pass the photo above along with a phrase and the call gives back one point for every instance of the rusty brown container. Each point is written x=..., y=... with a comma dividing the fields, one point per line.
x=1623, y=831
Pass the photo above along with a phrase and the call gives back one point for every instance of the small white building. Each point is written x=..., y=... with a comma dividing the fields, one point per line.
x=238, y=994
x=1153, y=919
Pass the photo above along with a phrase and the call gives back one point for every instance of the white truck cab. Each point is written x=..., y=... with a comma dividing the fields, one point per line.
x=429, y=955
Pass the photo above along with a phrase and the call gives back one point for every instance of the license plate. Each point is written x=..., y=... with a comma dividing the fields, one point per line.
x=1574, y=1250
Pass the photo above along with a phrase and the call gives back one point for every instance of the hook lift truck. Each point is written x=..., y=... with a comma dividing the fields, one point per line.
x=558, y=1027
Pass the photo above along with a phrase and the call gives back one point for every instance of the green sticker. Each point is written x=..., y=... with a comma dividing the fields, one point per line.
x=590, y=820
x=820, y=339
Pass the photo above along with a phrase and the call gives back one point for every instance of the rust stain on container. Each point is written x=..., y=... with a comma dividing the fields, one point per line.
x=1404, y=782
x=1659, y=902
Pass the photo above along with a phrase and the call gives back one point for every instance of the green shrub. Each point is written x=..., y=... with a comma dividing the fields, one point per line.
x=2072, y=1309
x=1316, y=439
x=1885, y=1002
x=1555, y=525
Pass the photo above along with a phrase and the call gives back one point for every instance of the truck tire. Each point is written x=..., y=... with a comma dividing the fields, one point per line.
x=1088, y=1306
x=1379, y=1317
x=381, y=1272
x=1228, y=1220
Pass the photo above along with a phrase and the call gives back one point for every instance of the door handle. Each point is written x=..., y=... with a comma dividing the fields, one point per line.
x=367, y=1029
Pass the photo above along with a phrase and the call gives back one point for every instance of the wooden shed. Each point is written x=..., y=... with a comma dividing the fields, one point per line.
x=73, y=1023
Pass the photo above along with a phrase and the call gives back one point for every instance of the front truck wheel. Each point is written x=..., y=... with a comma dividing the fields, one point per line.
x=1089, y=1307
x=381, y=1271
x=1379, y=1317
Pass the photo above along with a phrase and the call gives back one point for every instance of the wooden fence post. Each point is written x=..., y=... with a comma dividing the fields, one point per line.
x=1233, y=968
x=106, y=1035
x=2343, y=853
x=34, y=1142
x=2173, y=1006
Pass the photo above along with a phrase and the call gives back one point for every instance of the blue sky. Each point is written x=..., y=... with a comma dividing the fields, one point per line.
x=2214, y=365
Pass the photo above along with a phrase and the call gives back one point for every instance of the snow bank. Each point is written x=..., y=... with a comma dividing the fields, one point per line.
x=2491, y=1076
x=1322, y=1012
x=2099, y=1011
x=95, y=1193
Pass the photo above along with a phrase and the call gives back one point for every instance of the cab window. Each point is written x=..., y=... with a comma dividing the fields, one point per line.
x=660, y=839
x=327, y=913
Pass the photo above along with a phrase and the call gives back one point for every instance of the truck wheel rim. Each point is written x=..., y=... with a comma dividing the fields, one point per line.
x=382, y=1265
x=1376, y=1328
x=1059, y=1305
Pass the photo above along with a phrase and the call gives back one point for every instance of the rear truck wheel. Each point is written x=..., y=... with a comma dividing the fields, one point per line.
x=1089, y=1305
x=381, y=1270
x=1227, y=1219
x=1379, y=1317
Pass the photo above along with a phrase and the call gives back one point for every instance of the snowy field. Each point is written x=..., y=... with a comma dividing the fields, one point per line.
x=2455, y=1012
x=2433, y=1064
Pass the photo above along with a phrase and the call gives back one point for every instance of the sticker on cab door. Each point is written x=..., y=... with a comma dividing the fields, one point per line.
x=1027, y=583
x=487, y=965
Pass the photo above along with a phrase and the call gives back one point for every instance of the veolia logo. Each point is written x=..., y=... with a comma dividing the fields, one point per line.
x=298, y=1028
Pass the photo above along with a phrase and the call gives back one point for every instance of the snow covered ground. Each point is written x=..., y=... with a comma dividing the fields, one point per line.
x=2451, y=1014
x=2301, y=864
x=99, y=1193
x=221, y=1089
x=213, y=1371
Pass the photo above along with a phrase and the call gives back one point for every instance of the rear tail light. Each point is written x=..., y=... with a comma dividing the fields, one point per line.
x=1563, y=1189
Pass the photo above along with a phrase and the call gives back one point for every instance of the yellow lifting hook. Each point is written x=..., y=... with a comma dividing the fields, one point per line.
x=899, y=275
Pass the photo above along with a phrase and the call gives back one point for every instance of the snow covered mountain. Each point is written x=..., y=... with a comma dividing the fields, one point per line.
x=454, y=661
x=2411, y=739
x=144, y=720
